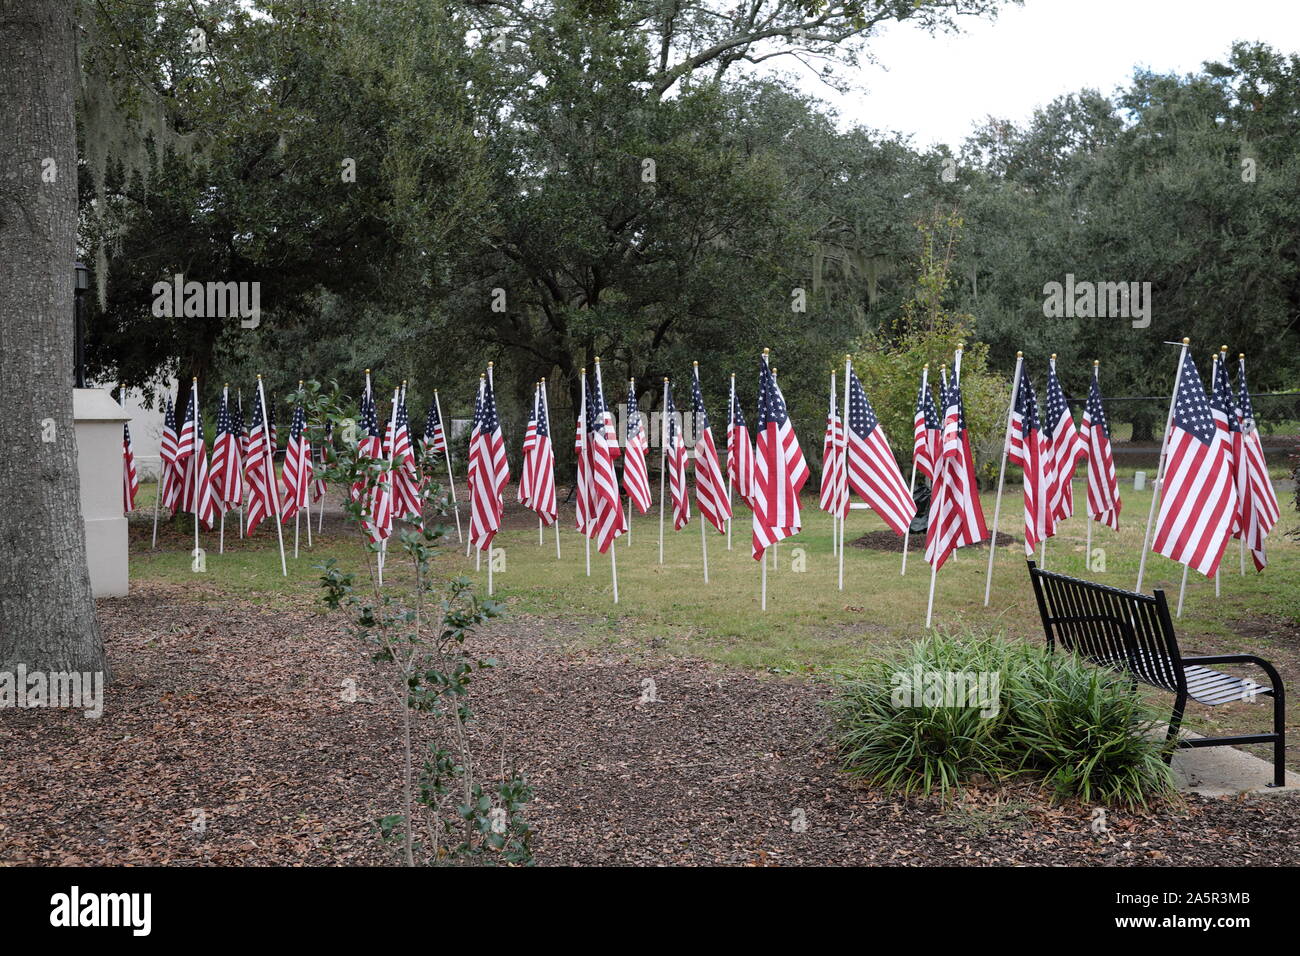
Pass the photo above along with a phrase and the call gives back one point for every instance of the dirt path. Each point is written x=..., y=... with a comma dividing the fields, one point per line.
x=227, y=740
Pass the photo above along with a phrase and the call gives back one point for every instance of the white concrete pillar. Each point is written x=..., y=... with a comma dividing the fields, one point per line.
x=98, y=420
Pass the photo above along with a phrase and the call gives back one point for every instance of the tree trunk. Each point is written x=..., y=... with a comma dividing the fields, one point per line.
x=47, y=614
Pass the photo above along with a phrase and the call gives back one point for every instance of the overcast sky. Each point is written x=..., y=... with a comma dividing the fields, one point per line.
x=937, y=87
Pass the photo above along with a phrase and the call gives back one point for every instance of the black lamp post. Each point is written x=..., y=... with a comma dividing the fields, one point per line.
x=79, y=343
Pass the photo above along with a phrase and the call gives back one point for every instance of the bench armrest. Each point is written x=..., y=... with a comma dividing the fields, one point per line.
x=1274, y=678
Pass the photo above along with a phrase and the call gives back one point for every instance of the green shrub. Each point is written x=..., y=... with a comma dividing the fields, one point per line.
x=949, y=708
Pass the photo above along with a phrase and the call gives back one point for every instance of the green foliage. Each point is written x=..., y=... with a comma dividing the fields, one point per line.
x=418, y=641
x=927, y=333
x=1084, y=731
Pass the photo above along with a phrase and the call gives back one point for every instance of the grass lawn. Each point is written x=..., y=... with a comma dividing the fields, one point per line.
x=810, y=627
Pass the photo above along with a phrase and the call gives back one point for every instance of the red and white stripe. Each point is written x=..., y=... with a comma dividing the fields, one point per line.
x=872, y=471
x=1259, y=504
x=542, y=481
x=296, y=475
x=740, y=450
x=1198, y=493
x=780, y=470
x=489, y=471
x=1104, y=502
x=834, y=499
x=608, y=520
x=530, y=444
x=636, y=475
x=130, y=477
x=710, y=486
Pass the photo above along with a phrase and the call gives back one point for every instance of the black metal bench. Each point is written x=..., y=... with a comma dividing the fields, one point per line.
x=1133, y=634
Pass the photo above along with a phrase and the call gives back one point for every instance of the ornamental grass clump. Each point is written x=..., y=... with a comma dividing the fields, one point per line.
x=952, y=708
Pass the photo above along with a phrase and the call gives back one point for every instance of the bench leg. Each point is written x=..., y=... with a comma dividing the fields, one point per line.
x=1174, y=722
x=1279, y=728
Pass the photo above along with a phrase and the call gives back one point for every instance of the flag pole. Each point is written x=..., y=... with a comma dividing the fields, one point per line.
x=221, y=541
x=775, y=544
x=631, y=384
x=307, y=491
x=1087, y=547
x=731, y=422
x=243, y=471
x=194, y=458
x=763, y=557
x=613, y=548
x=492, y=388
x=663, y=464
x=835, y=518
x=1241, y=472
x=469, y=541
x=546, y=406
x=586, y=432
x=1002, y=474
x=841, y=446
x=925, y=374
x=391, y=434
x=270, y=471
x=446, y=451
x=1160, y=467
x=704, y=538
x=934, y=570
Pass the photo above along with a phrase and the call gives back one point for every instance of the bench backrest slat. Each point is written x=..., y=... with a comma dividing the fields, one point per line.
x=1117, y=629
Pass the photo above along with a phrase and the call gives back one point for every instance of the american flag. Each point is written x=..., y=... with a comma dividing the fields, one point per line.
x=378, y=511
x=297, y=472
x=169, y=490
x=370, y=446
x=779, y=468
x=227, y=464
x=740, y=452
x=530, y=444
x=834, y=498
x=1030, y=451
x=318, y=486
x=675, y=462
x=636, y=476
x=710, y=486
x=946, y=530
x=259, y=470
x=582, y=497
x=872, y=469
x=1259, y=506
x=489, y=470
x=191, y=452
x=240, y=428
x=1094, y=434
x=1198, y=495
x=435, y=439
x=542, y=482
x=130, y=477
x=973, y=528
x=926, y=431
x=608, y=521
x=1223, y=406
x=404, y=478
x=1067, y=449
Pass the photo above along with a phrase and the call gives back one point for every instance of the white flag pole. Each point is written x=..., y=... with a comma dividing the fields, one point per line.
x=221, y=545
x=704, y=538
x=767, y=353
x=194, y=458
x=1002, y=474
x=631, y=384
x=297, y=514
x=446, y=451
x=731, y=422
x=613, y=559
x=1160, y=467
x=925, y=374
x=1087, y=547
x=840, y=443
x=469, y=540
x=585, y=493
x=835, y=518
x=1182, y=592
x=546, y=407
x=934, y=571
x=272, y=491
x=775, y=544
x=243, y=465
x=663, y=465
x=162, y=472
x=391, y=434
x=1241, y=472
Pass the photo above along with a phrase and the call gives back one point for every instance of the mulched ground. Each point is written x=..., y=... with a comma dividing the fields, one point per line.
x=888, y=541
x=238, y=711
